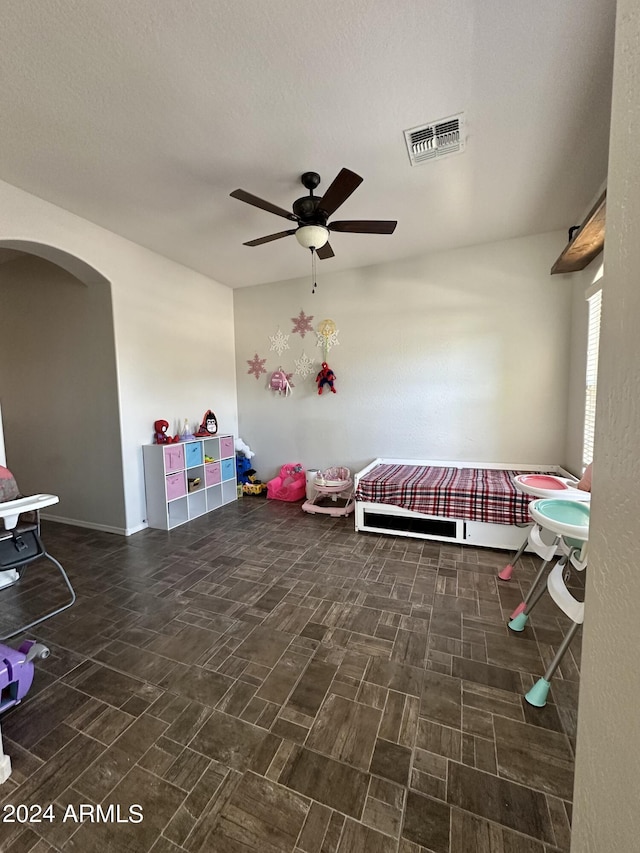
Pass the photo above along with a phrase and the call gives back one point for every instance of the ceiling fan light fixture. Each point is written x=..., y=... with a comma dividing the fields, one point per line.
x=312, y=236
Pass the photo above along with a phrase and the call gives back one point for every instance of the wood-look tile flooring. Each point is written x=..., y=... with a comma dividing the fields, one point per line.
x=265, y=680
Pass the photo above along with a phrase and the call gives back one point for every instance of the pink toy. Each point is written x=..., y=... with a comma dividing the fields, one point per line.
x=290, y=485
x=337, y=485
x=279, y=382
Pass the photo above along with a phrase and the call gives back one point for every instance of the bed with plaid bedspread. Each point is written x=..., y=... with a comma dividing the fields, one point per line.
x=470, y=494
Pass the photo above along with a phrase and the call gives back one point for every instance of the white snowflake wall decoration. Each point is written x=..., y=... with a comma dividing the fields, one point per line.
x=256, y=365
x=327, y=336
x=304, y=365
x=302, y=324
x=279, y=342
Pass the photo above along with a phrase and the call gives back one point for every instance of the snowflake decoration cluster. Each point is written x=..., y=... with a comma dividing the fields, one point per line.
x=326, y=338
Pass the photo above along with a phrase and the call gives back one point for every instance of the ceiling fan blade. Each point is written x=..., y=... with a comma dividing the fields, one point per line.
x=242, y=195
x=270, y=237
x=364, y=226
x=339, y=191
x=325, y=252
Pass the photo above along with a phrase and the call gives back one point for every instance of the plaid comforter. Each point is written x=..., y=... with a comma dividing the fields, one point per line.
x=472, y=494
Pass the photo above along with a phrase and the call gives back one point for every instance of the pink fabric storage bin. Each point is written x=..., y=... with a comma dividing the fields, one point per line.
x=173, y=457
x=212, y=473
x=289, y=485
x=227, y=448
x=176, y=486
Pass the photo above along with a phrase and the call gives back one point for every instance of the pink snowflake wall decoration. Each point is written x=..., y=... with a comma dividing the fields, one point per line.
x=302, y=324
x=256, y=365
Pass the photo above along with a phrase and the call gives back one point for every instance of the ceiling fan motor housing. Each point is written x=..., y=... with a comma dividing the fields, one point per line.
x=306, y=209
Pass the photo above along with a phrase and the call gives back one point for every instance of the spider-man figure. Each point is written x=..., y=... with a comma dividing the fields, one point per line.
x=326, y=377
x=161, y=436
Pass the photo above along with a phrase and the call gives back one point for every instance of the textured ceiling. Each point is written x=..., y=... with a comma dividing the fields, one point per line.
x=143, y=116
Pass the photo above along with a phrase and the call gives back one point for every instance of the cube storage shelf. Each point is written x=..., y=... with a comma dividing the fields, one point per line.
x=171, y=472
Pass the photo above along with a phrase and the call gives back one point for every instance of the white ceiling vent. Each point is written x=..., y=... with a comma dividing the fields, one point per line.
x=436, y=139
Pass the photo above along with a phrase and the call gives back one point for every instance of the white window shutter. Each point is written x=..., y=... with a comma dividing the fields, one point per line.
x=593, y=343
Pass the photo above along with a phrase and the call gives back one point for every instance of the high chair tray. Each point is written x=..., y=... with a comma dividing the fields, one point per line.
x=549, y=486
x=10, y=510
x=565, y=517
x=26, y=504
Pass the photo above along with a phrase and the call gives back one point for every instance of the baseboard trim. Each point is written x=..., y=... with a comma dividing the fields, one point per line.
x=131, y=530
x=90, y=525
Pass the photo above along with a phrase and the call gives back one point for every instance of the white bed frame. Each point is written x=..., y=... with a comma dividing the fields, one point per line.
x=389, y=519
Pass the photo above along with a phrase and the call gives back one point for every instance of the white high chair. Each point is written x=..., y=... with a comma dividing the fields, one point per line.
x=21, y=544
x=542, y=486
x=569, y=520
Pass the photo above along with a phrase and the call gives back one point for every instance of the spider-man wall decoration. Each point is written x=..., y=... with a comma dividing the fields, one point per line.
x=326, y=376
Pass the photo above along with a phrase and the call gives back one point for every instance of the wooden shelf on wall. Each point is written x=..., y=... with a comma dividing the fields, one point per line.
x=587, y=243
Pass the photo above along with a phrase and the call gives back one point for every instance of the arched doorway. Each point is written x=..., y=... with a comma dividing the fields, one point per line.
x=58, y=383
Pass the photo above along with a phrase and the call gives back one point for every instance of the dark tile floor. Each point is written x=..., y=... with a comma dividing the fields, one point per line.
x=265, y=680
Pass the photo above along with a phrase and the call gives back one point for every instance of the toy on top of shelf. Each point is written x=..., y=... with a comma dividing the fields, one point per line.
x=209, y=425
x=326, y=376
x=161, y=436
x=185, y=432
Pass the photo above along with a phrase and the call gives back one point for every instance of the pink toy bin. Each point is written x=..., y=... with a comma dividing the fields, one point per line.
x=289, y=485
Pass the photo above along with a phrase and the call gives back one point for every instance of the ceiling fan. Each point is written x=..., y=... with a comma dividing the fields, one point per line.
x=312, y=212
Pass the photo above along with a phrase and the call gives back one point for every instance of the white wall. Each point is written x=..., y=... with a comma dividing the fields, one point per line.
x=457, y=355
x=173, y=330
x=607, y=783
x=59, y=390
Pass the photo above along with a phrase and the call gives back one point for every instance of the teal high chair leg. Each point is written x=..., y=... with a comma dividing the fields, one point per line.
x=523, y=604
x=519, y=621
x=535, y=583
x=538, y=694
x=520, y=615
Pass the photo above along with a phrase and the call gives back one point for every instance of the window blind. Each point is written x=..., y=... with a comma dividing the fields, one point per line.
x=593, y=343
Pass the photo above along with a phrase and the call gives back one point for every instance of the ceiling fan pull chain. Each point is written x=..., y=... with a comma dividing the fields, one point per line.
x=313, y=270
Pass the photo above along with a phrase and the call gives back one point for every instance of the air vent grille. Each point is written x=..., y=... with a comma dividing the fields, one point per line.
x=435, y=140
